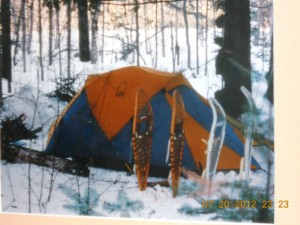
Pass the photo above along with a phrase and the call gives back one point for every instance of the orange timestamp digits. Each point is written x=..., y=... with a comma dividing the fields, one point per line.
x=282, y=204
x=245, y=204
x=242, y=204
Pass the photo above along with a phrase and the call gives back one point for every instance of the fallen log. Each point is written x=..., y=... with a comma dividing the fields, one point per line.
x=18, y=154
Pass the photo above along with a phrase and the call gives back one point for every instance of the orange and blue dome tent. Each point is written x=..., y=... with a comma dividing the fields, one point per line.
x=97, y=123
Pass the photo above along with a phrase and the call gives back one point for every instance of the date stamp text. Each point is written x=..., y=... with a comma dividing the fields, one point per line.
x=241, y=204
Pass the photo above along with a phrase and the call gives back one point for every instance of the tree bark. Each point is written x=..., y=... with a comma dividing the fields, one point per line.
x=40, y=30
x=233, y=60
x=57, y=9
x=206, y=41
x=197, y=36
x=186, y=23
x=156, y=33
x=6, y=42
x=270, y=90
x=84, y=42
x=17, y=34
x=1, y=92
x=103, y=32
x=177, y=48
x=206, y=49
x=146, y=27
x=172, y=48
x=69, y=19
x=95, y=15
x=24, y=35
x=17, y=154
x=50, y=49
x=162, y=24
x=30, y=26
x=137, y=40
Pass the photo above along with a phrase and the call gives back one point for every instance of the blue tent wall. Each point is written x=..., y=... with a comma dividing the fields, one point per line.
x=203, y=115
x=78, y=133
x=161, y=133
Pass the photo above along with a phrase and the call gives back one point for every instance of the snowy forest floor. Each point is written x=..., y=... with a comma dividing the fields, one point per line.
x=116, y=194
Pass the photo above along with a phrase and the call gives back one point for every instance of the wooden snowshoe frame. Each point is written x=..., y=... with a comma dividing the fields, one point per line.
x=142, y=137
x=176, y=139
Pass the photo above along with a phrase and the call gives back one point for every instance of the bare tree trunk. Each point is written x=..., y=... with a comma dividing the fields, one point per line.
x=84, y=42
x=23, y=35
x=40, y=39
x=177, y=49
x=214, y=16
x=6, y=42
x=95, y=16
x=17, y=34
x=206, y=40
x=50, y=6
x=69, y=18
x=1, y=92
x=137, y=40
x=206, y=48
x=103, y=32
x=156, y=31
x=270, y=90
x=31, y=6
x=172, y=48
x=146, y=27
x=29, y=184
x=132, y=29
x=162, y=21
x=186, y=23
x=58, y=37
x=197, y=35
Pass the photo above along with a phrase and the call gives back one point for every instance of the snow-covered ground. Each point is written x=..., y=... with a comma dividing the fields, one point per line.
x=29, y=188
x=112, y=194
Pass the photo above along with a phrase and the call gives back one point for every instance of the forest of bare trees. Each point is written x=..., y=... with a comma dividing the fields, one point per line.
x=145, y=27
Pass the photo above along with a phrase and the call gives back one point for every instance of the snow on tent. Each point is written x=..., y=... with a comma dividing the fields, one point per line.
x=98, y=122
